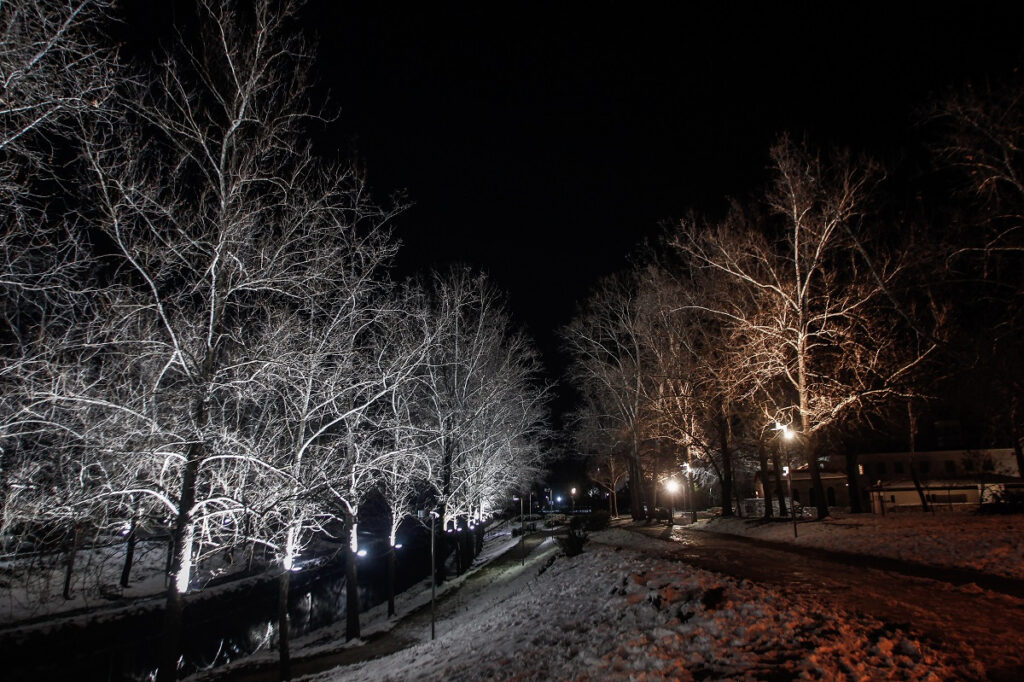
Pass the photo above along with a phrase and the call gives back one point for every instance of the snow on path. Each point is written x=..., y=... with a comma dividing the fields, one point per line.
x=990, y=544
x=616, y=613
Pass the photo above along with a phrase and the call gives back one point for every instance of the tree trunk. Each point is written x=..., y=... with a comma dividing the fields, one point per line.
x=810, y=455
x=780, y=491
x=391, y=580
x=853, y=481
x=723, y=435
x=819, y=490
x=69, y=563
x=129, y=552
x=912, y=441
x=351, y=585
x=1018, y=451
x=762, y=458
x=181, y=538
x=1018, y=446
x=636, y=495
x=284, y=625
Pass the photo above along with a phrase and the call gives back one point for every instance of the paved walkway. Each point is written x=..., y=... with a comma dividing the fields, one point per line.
x=947, y=607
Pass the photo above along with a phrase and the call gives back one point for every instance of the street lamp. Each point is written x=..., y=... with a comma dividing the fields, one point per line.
x=787, y=435
x=672, y=485
x=522, y=529
x=572, y=494
x=433, y=573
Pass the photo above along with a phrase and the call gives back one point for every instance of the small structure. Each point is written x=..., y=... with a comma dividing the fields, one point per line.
x=837, y=490
x=952, y=479
x=948, y=493
x=939, y=464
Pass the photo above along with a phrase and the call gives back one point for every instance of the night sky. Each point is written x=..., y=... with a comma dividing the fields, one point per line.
x=542, y=144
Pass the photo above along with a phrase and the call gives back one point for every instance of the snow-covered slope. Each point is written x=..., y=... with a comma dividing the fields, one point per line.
x=617, y=612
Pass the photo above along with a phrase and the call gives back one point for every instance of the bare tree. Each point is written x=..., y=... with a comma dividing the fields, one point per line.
x=217, y=217
x=811, y=325
x=610, y=367
x=483, y=410
x=52, y=73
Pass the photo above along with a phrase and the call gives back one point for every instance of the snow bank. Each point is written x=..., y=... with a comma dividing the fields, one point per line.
x=614, y=613
x=991, y=544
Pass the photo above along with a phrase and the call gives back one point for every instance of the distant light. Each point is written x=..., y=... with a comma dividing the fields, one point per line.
x=361, y=553
x=558, y=498
x=398, y=546
x=785, y=471
x=574, y=491
x=672, y=485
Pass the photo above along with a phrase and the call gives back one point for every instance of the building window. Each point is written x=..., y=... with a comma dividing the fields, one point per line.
x=988, y=465
x=897, y=467
x=924, y=467
x=968, y=464
x=950, y=466
x=880, y=468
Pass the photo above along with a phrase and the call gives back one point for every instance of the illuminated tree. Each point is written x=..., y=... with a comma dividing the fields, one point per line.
x=807, y=308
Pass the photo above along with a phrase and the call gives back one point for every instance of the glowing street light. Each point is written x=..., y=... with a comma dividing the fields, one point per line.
x=672, y=485
x=788, y=434
x=573, y=496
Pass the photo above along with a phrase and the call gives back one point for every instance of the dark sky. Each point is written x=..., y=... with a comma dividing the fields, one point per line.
x=541, y=144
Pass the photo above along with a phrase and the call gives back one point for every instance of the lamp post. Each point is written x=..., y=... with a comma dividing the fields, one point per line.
x=692, y=492
x=788, y=435
x=522, y=529
x=572, y=494
x=433, y=574
x=671, y=486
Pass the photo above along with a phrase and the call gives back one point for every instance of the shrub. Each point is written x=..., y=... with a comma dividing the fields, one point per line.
x=572, y=544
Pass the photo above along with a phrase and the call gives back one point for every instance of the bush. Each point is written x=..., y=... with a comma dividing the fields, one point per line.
x=572, y=544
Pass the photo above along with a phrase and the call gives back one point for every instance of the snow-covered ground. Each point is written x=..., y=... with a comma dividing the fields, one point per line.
x=619, y=612
x=991, y=544
x=497, y=541
x=32, y=586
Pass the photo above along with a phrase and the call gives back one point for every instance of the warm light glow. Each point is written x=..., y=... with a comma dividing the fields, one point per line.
x=672, y=485
x=574, y=491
